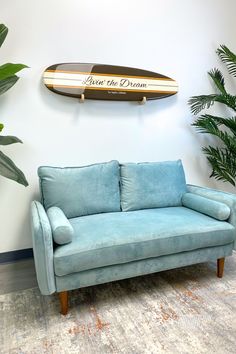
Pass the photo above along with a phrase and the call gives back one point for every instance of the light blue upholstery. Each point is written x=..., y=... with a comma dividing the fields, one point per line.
x=223, y=197
x=108, y=244
x=137, y=268
x=152, y=185
x=62, y=231
x=114, y=238
x=81, y=190
x=43, y=249
x=217, y=210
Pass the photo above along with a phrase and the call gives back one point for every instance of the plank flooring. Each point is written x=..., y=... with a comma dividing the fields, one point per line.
x=16, y=276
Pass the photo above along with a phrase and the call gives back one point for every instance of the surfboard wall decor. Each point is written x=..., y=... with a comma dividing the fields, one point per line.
x=107, y=82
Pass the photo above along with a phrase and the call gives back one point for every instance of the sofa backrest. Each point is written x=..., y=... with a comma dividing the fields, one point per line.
x=152, y=185
x=81, y=190
x=110, y=187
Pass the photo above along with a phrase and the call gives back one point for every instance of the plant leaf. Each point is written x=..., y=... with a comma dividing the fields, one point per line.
x=3, y=33
x=222, y=158
x=9, y=69
x=227, y=57
x=207, y=124
x=227, y=122
x=1, y=127
x=6, y=84
x=9, y=170
x=222, y=163
x=198, y=103
x=7, y=140
x=216, y=76
x=228, y=100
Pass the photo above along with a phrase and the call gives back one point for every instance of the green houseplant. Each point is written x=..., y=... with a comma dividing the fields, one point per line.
x=221, y=156
x=8, y=78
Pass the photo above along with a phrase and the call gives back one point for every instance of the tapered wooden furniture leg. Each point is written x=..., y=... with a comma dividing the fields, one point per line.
x=220, y=267
x=63, y=296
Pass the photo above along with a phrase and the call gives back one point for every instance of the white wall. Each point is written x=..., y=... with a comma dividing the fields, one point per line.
x=174, y=38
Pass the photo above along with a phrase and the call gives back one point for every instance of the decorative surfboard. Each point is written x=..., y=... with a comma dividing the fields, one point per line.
x=107, y=82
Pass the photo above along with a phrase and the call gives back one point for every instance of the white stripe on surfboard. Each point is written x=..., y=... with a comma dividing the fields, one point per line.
x=79, y=84
x=109, y=82
x=82, y=76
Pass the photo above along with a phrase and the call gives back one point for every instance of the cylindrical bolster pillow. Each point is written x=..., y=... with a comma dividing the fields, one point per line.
x=217, y=210
x=62, y=230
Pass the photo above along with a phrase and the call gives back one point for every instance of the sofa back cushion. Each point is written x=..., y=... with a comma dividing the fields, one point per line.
x=83, y=190
x=152, y=185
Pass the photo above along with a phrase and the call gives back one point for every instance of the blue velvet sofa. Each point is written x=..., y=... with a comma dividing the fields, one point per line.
x=111, y=221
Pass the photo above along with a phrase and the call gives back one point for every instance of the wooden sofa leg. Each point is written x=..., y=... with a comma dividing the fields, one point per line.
x=63, y=296
x=220, y=267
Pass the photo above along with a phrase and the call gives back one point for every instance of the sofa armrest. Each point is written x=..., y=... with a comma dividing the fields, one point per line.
x=220, y=196
x=42, y=248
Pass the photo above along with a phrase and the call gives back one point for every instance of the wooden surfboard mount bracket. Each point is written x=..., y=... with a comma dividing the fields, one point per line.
x=82, y=98
x=144, y=100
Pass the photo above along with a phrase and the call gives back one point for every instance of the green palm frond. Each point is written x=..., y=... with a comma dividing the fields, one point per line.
x=223, y=166
x=206, y=124
x=228, y=100
x=218, y=80
x=230, y=123
x=222, y=158
x=198, y=103
x=227, y=57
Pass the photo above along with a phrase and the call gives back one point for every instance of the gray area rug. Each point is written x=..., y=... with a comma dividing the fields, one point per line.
x=186, y=310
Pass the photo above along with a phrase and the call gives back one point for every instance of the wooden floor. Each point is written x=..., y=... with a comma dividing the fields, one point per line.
x=17, y=276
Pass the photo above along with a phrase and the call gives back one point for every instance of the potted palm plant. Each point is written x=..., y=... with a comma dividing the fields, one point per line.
x=8, y=78
x=221, y=156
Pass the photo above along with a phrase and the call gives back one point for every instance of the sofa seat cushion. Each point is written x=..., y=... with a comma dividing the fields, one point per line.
x=114, y=238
